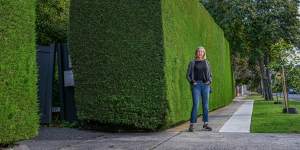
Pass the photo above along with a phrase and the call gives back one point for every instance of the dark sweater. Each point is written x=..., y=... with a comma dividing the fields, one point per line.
x=191, y=72
x=201, y=71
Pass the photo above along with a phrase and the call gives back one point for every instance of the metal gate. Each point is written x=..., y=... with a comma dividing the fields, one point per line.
x=46, y=56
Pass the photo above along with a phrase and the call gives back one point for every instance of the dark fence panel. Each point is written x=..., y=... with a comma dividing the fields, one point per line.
x=46, y=62
x=45, y=59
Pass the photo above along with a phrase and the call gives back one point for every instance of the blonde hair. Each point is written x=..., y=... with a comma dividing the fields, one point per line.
x=199, y=49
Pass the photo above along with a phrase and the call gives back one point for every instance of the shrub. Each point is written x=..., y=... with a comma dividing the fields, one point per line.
x=52, y=21
x=18, y=74
x=130, y=60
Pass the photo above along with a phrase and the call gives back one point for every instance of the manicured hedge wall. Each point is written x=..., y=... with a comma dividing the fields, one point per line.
x=186, y=26
x=18, y=78
x=130, y=60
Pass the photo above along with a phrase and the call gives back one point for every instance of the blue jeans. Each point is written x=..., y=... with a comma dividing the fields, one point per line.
x=200, y=89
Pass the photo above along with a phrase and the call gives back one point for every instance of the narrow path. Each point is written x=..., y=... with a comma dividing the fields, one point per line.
x=241, y=120
x=217, y=118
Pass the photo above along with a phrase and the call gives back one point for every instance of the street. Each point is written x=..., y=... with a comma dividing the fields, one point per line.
x=291, y=96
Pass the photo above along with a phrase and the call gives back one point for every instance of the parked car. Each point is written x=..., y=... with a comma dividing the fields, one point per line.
x=292, y=91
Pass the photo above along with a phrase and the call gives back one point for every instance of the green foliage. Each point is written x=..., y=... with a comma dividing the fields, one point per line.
x=228, y=16
x=256, y=25
x=18, y=72
x=130, y=60
x=118, y=57
x=293, y=79
x=284, y=54
x=252, y=27
x=52, y=21
x=187, y=26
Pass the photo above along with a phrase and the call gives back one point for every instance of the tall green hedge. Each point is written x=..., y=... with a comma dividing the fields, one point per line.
x=18, y=74
x=186, y=26
x=130, y=60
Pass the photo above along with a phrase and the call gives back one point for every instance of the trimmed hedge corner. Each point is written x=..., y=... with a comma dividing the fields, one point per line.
x=130, y=60
x=18, y=73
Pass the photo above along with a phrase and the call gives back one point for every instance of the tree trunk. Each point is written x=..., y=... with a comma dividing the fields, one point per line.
x=269, y=83
x=262, y=86
x=266, y=80
x=262, y=72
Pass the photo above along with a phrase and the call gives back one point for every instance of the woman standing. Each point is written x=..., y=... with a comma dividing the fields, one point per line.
x=199, y=76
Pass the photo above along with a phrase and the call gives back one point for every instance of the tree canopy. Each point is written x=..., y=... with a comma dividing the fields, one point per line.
x=52, y=21
x=253, y=27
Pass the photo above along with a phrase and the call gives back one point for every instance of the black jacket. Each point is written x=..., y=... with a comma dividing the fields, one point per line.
x=190, y=72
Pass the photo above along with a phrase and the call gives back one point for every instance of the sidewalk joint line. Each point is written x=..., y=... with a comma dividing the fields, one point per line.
x=164, y=141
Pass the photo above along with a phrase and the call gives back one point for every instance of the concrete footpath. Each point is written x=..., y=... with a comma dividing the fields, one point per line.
x=240, y=121
x=174, y=138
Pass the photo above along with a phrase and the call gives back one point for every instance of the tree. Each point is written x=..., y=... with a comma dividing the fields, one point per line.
x=283, y=62
x=284, y=54
x=52, y=21
x=293, y=79
x=273, y=20
x=254, y=26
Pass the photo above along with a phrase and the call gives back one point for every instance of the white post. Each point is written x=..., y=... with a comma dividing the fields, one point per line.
x=242, y=90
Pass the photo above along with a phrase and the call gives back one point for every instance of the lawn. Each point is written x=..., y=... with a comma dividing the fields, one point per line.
x=267, y=117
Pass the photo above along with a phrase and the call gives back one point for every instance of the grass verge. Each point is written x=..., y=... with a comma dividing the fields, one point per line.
x=267, y=117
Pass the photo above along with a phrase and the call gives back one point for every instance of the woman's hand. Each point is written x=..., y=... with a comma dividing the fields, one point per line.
x=208, y=83
x=194, y=82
